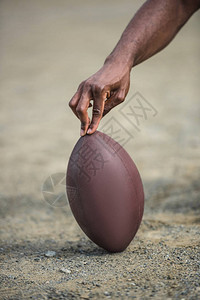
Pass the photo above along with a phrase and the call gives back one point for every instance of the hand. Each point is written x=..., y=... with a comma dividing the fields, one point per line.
x=106, y=88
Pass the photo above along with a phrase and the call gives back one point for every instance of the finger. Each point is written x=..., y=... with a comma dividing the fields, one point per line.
x=113, y=101
x=74, y=102
x=81, y=111
x=98, y=107
x=75, y=99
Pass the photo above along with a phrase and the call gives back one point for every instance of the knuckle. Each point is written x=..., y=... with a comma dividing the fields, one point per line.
x=86, y=84
x=80, y=110
x=120, y=99
x=98, y=88
x=96, y=111
x=71, y=103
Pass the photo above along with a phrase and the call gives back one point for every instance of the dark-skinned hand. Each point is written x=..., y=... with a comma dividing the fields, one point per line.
x=105, y=89
x=150, y=30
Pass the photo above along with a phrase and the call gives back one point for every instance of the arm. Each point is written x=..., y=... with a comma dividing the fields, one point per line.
x=151, y=29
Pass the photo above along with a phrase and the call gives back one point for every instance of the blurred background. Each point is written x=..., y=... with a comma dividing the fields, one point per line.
x=47, y=48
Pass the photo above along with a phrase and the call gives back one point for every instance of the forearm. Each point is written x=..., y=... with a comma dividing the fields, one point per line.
x=151, y=29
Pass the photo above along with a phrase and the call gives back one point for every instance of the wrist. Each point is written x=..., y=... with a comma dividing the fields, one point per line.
x=120, y=58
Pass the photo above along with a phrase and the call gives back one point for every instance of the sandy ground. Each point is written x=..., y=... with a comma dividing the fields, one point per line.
x=47, y=49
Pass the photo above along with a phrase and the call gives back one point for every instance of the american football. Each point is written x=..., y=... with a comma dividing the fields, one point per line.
x=105, y=191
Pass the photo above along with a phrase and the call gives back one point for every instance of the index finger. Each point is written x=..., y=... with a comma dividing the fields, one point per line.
x=75, y=99
x=74, y=102
x=81, y=111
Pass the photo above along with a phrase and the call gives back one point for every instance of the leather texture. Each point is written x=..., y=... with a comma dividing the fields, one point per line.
x=105, y=191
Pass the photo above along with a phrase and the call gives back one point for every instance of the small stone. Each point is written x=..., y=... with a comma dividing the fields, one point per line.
x=36, y=259
x=97, y=284
x=50, y=253
x=63, y=270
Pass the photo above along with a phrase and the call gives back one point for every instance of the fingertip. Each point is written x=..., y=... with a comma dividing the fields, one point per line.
x=82, y=132
x=84, y=128
x=89, y=131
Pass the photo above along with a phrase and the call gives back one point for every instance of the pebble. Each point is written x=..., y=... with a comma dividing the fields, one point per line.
x=63, y=270
x=37, y=259
x=50, y=253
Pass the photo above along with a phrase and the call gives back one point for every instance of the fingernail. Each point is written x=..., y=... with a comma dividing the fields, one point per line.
x=89, y=131
x=82, y=132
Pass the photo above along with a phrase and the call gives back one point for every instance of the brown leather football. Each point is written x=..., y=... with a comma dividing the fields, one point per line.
x=105, y=191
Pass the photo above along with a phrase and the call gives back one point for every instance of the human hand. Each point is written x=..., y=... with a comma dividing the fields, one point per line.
x=107, y=88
